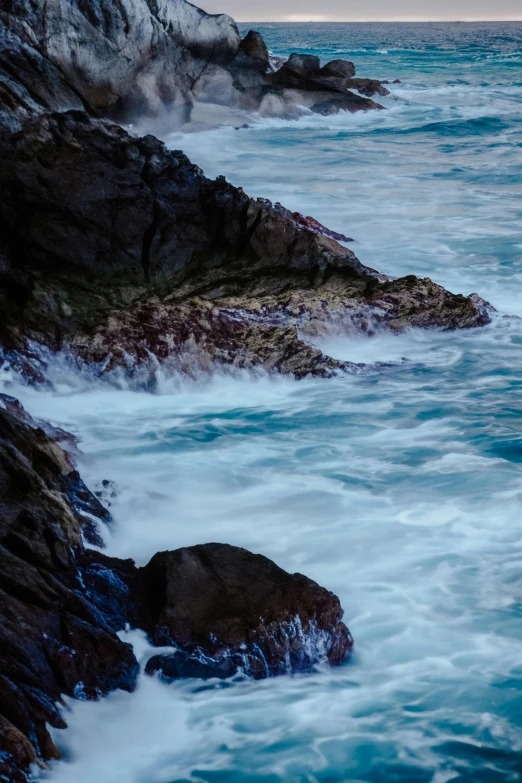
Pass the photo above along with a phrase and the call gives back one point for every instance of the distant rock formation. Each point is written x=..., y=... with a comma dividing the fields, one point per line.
x=141, y=58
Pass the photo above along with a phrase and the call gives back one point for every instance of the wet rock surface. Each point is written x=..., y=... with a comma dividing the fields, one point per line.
x=327, y=89
x=227, y=609
x=221, y=609
x=123, y=253
x=52, y=640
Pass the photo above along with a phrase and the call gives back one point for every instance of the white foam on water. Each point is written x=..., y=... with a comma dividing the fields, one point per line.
x=399, y=489
x=343, y=481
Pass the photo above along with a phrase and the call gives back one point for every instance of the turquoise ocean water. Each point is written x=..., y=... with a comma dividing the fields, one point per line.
x=400, y=489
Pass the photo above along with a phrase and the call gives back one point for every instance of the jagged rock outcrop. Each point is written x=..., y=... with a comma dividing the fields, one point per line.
x=329, y=88
x=134, y=59
x=119, y=250
x=52, y=640
x=220, y=607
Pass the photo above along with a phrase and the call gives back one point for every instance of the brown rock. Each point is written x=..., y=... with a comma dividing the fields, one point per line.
x=140, y=255
x=253, y=47
x=228, y=609
x=339, y=68
x=52, y=641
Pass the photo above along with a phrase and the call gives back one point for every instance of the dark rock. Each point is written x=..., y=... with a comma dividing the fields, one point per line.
x=66, y=440
x=16, y=753
x=224, y=610
x=52, y=640
x=367, y=87
x=339, y=68
x=115, y=587
x=340, y=102
x=297, y=68
x=329, y=88
x=141, y=258
x=227, y=609
x=314, y=225
x=254, y=48
x=54, y=464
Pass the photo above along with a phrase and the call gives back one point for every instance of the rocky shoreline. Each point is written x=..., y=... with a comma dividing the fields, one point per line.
x=121, y=254
x=221, y=609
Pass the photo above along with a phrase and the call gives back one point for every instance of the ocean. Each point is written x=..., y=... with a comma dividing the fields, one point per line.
x=400, y=489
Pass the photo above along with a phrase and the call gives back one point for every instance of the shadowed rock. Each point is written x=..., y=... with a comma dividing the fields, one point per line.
x=343, y=69
x=254, y=48
x=52, y=640
x=326, y=89
x=123, y=253
x=228, y=610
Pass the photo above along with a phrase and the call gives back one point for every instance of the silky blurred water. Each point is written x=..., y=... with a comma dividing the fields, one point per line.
x=399, y=489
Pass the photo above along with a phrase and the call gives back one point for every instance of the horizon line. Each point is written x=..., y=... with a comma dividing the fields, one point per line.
x=408, y=20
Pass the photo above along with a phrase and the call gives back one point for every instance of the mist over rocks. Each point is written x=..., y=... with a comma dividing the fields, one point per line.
x=139, y=59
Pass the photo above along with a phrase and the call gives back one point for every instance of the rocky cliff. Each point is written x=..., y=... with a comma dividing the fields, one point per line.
x=120, y=252
x=140, y=58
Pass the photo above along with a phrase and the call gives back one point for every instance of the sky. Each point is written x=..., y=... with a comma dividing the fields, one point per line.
x=363, y=10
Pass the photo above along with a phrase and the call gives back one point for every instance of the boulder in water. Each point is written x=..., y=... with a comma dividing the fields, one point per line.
x=343, y=69
x=226, y=609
